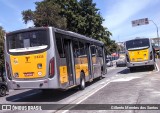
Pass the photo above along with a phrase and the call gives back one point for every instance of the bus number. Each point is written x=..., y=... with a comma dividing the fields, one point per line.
x=39, y=56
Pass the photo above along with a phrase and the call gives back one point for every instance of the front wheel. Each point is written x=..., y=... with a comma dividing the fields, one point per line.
x=82, y=82
x=3, y=91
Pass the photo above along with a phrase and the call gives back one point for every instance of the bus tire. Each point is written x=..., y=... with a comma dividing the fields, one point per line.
x=3, y=91
x=82, y=82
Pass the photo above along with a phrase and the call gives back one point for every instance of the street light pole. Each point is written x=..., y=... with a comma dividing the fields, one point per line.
x=157, y=30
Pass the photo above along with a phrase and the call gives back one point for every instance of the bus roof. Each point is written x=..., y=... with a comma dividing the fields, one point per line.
x=137, y=39
x=69, y=33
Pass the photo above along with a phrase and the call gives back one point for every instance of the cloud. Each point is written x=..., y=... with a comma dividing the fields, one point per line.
x=10, y=5
x=123, y=9
x=120, y=14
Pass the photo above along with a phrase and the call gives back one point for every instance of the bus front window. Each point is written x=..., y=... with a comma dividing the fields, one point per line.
x=27, y=41
x=139, y=43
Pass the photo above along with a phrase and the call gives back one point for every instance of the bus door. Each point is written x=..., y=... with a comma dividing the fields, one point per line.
x=64, y=60
x=89, y=62
x=69, y=61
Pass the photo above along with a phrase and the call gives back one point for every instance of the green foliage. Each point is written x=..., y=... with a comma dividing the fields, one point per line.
x=1, y=47
x=80, y=16
x=46, y=14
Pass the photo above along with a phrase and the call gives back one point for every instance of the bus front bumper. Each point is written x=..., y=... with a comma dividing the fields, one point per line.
x=137, y=64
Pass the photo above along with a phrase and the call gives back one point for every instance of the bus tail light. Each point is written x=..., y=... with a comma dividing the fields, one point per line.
x=51, y=68
x=8, y=71
x=151, y=56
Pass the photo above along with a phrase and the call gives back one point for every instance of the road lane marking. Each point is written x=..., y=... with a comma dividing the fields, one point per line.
x=157, y=68
x=84, y=98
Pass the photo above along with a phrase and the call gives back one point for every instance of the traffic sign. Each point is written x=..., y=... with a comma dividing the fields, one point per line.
x=139, y=22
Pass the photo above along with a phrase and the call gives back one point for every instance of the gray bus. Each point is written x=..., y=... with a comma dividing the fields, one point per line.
x=51, y=58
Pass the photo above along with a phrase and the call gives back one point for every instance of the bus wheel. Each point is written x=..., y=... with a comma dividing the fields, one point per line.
x=3, y=91
x=82, y=81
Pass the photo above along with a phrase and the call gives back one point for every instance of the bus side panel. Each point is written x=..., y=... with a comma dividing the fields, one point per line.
x=63, y=74
x=7, y=61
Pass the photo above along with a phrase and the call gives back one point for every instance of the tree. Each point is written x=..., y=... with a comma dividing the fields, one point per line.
x=2, y=33
x=46, y=14
x=93, y=19
x=80, y=16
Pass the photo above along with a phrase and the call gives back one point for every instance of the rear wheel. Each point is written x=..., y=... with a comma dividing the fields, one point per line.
x=3, y=91
x=82, y=81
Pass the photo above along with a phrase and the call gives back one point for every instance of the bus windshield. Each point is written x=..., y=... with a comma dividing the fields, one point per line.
x=27, y=41
x=137, y=44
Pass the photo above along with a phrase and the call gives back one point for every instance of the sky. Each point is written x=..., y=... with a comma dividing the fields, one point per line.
x=118, y=15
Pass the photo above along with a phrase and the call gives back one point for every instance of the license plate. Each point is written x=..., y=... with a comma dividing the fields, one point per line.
x=28, y=74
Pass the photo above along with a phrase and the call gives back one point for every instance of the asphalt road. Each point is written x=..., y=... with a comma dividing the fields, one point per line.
x=56, y=97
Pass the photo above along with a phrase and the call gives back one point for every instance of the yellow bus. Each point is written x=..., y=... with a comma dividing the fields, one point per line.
x=51, y=58
x=139, y=52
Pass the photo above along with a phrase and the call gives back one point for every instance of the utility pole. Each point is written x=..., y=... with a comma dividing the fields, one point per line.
x=157, y=30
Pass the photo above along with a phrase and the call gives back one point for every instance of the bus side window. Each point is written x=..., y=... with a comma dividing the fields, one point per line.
x=60, y=45
x=93, y=50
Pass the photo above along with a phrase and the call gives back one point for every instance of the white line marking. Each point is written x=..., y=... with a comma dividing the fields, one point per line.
x=157, y=68
x=87, y=96
x=102, y=83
